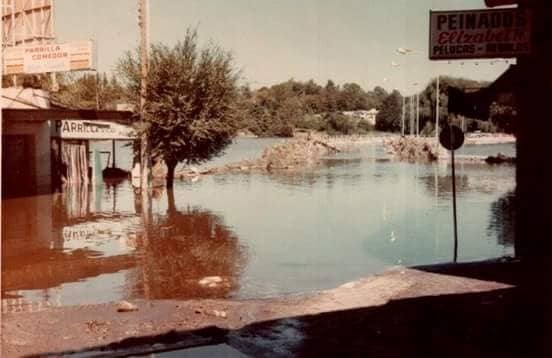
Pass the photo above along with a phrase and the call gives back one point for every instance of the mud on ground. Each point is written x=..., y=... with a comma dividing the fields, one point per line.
x=280, y=326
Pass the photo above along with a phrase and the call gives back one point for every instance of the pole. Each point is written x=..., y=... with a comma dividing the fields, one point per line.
x=417, y=114
x=455, y=259
x=403, y=114
x=437, y=95
x=144, y=46
x=14, y=77
x=411, y=115
x=113, y=153
x=97, y=91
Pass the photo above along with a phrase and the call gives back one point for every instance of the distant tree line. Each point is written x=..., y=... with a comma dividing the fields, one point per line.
x=281, y=109
x=88, y=90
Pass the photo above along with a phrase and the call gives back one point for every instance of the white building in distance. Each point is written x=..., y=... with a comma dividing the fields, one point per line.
x=369, y=116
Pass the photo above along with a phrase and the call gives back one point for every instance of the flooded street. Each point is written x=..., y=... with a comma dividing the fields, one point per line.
x=264, y=235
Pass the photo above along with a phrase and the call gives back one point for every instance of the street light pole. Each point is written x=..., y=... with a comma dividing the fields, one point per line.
x=412, y=115
x=437, y=99
x=403, y=114
x=417, y=114
x=143, y=17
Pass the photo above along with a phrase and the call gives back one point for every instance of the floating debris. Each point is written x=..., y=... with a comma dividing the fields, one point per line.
x=210, y=281
x=125, y=306
x=500, y=158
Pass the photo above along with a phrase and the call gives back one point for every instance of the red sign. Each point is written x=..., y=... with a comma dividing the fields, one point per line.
x=484, y=33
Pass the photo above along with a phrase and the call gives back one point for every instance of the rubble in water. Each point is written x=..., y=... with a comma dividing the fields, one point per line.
x=500, y=158
x=290, y=154
x=413, y=149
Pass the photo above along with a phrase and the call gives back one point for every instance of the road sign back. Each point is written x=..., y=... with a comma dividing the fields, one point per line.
x=451, y=137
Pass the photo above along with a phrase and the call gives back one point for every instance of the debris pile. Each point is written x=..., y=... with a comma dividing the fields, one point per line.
x=290, y=154
x=413, y=149
x=500, y=158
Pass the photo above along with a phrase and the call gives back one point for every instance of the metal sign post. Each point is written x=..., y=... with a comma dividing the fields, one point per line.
x=452, y=138
x=454, y=208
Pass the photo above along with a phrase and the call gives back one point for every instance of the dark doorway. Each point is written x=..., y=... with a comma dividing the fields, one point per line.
x=18, y=163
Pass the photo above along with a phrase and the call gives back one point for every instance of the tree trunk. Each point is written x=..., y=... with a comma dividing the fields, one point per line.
x=171, y=208
x=171, y=166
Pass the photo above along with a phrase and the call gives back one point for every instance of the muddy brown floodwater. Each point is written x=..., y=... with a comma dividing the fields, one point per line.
x=261, y=235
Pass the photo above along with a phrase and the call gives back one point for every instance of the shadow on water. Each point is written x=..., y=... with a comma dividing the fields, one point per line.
x=67, y=248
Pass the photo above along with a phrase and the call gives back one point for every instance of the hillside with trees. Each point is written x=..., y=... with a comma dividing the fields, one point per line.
x=281, y=109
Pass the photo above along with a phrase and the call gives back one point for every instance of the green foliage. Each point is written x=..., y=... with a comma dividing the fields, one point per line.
x=428, y=130
x=76, y=90
x=292, y=104
x=363, y=127
x=486, y=127
x=88, y=91
x=503, y=117
x=311, y=122
x=36, y=81
x=337, y=123
x=191, y=100
x=389, y=117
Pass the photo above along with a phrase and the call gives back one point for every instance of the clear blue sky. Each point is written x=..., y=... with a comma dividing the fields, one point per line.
x=275, y=40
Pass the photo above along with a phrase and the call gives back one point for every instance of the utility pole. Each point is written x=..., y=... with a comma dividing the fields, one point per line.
x=417, y=114
x=411, y=115
x=437, y=95
x=143, y=22
x=403, y=114
x=97, y=91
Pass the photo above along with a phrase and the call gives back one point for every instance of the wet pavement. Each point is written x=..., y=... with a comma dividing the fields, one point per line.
x=208, y=351
x=402, y=312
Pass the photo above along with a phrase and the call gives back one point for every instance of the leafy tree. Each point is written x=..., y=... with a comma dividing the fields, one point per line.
x=389, y=117
x=337, y=123
x=503, y=117
x=428, y=97
x=380, y=94
x=352, y=97
x=363, y=126
x=191, y=100
x=87, y=91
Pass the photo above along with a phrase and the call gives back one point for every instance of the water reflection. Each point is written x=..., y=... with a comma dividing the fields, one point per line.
x=470, y=178
x=344, y=170
x=503, y=219
x=91, y=246
x=182, y=247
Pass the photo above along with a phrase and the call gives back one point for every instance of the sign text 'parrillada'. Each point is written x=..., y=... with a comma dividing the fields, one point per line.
x=82, y=129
